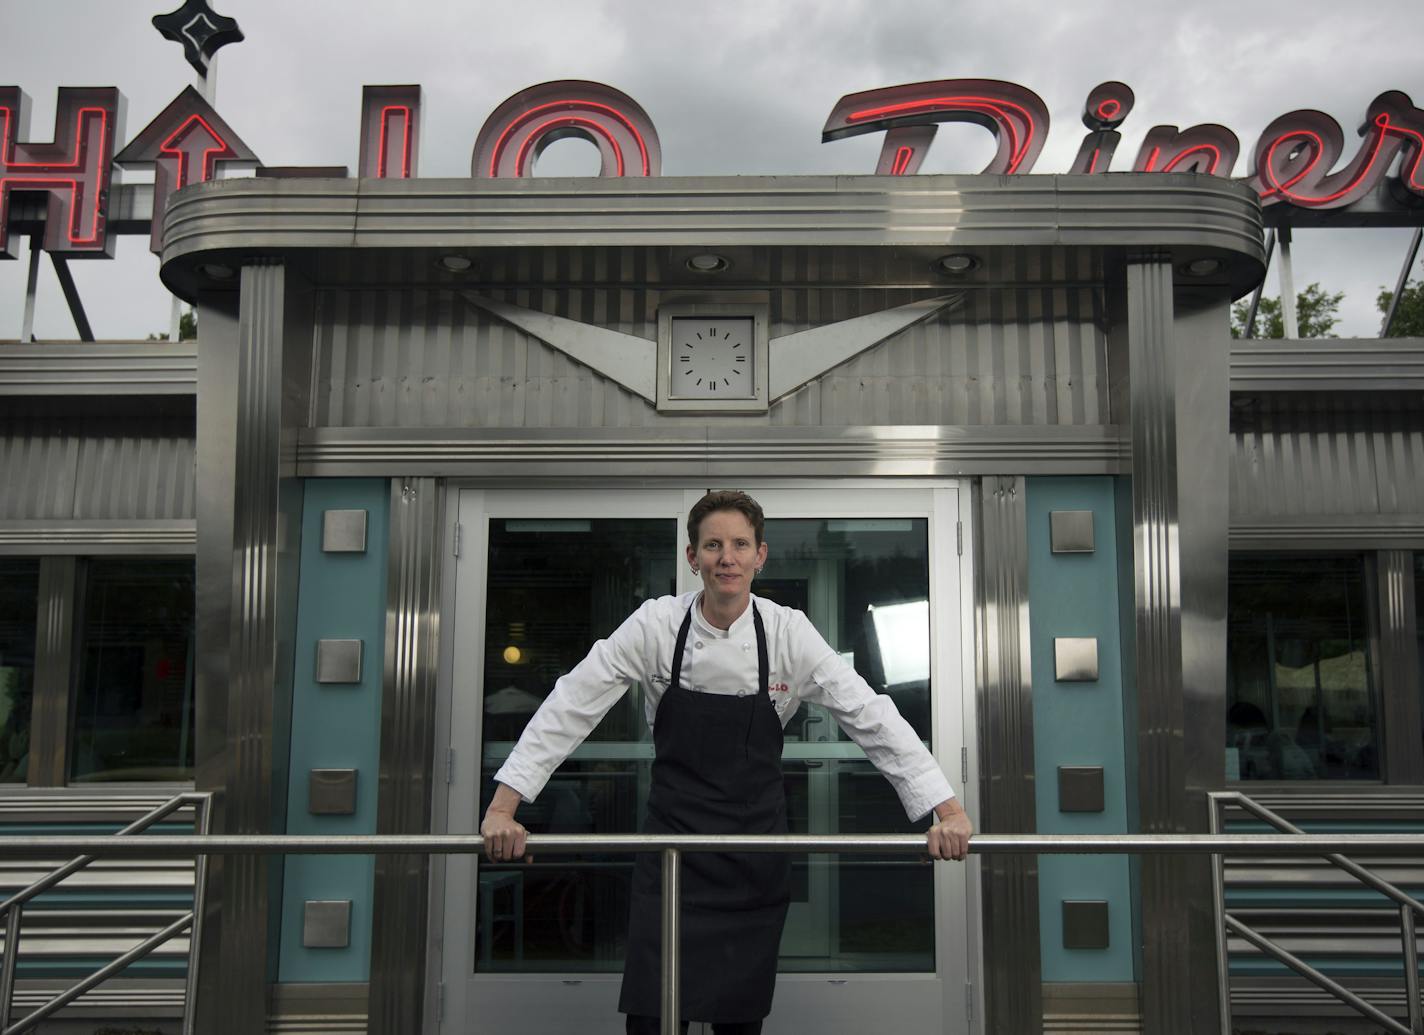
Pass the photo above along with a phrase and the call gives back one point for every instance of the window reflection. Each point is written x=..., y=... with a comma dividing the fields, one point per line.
x=133, y=701
x=1301, y=701
x=19, y=606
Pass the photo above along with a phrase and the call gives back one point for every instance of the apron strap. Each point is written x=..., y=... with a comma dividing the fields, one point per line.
x=681, y=645
x=763, y=664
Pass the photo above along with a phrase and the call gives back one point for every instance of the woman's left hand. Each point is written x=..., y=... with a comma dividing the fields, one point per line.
x=949, y=837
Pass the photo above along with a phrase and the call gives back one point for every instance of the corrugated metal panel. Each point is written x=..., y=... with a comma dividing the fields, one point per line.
x=87, y=468
x=1308, y=456
x=389, y=358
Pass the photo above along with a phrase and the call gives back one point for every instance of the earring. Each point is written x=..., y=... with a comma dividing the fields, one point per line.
x=695, y=571
x=758, y=571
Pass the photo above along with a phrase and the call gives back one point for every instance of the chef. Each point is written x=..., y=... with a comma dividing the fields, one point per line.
x=722, y=672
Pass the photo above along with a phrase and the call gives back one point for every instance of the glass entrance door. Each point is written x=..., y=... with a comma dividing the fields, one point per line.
x=541, y=576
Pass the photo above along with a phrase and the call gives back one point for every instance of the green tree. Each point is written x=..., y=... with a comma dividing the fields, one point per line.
x=1316, y=311
x=1409, y=317
x=187, y=327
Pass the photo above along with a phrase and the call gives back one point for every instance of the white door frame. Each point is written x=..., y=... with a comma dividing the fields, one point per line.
x=848, y=997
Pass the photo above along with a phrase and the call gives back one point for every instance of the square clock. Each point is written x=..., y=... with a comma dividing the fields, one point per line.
x=712, y=358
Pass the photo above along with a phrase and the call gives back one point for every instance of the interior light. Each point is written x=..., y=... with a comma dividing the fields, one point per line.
x=456, y=263
x=708, y=262
x=959, y=263
x=216, y=271
x=513, y=655
x=1202, y=267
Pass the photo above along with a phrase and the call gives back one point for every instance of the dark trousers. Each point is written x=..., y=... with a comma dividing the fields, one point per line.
x=638, y=1025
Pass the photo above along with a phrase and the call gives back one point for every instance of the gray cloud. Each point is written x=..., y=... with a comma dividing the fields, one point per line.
x=737, y=87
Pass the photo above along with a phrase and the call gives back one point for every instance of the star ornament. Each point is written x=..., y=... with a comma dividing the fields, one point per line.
x=200, y=29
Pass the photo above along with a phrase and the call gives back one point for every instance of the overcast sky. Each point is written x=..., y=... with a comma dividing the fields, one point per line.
x=734, y=87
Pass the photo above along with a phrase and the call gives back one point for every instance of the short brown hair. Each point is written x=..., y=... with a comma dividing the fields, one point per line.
x=725, y=499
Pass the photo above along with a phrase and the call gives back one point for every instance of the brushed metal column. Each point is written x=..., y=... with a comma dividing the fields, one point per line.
x=1013, y=991
x=1399, y=667
x=1179, y=407
x=54, y=672
x=401, y=904
x=244, y=601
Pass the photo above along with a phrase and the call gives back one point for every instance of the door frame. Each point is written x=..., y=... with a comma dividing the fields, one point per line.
x=950, y=515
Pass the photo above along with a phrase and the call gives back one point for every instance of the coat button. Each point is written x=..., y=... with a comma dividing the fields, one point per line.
x=698, y=644
x=741, y=693
x=746, y=646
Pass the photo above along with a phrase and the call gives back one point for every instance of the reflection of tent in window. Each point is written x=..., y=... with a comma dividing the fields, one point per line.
x=901, y=639
x=511, y=700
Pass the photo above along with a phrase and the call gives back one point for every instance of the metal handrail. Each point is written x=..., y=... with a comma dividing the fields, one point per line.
x=12, y=909
x=672, y=845
x=1408, y=907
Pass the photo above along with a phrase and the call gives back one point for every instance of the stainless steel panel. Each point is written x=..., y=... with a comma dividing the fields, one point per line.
x=1328, y=364
x=343, y=531
x=1075, y=659
x=89, y=467
x=424, y=359
x=1004, y=680
x=318, y=1008
x=1398, y=650
x=1070, y=531
x=1100, y=1007
x=1325, y=457
x=47, y=537
x=331, y=792
x=244, y=563
x=54, y=657
x=1085, y=924
x=408, y=729
x=710, y=451
x=1340, y=533
x=1080, y=788
x=326, y=924
x=338, y=661
x=100, y=368
x=978, y=212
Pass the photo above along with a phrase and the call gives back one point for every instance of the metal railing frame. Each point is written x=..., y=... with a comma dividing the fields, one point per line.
x=1408, y=907
x=671, y=847
x=12, y=909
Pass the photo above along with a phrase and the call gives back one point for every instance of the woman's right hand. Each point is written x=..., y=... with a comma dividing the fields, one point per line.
x=504, y=835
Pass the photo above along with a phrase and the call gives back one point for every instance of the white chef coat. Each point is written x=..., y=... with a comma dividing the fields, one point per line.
x=803, y=667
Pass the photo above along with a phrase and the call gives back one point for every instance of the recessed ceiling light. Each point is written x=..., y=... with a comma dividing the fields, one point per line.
x=958, y=263
x=456, y=263
x=216, y=271
x=1202, y=267
x=708, y=262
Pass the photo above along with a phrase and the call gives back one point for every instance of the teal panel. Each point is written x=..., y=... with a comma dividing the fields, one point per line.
x=1078, y=724
x=342, y=596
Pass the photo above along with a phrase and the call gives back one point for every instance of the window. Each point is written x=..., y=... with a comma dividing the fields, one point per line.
x=1301, y=701
x=133, y=699
x=19, y=606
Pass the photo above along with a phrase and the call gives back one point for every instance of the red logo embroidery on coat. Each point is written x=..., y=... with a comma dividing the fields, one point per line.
x=778, y=688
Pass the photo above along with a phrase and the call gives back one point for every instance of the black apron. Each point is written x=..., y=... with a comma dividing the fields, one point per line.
x=717, y=770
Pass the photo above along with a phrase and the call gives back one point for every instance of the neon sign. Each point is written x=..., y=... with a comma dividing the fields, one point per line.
x=1293, y=162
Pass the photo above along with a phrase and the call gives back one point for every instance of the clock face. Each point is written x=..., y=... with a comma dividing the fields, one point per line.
x=713, y=357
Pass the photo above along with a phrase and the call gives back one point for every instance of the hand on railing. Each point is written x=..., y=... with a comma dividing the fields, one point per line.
x=504, y=835
x=949, y=837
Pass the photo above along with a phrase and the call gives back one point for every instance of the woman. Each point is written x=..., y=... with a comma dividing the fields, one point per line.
x=722, y=673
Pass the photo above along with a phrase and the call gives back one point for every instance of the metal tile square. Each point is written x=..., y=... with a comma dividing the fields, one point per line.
x=1070, y=531
x=343, y=531
x=1080, y=788
x=338, y=661
x=1075, y=659
x=1085, y=924
x=326, y=924
x=331, y=792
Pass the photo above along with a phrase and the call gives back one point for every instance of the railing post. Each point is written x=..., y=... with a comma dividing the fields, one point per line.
x=672, y=936
x=7, y=974
x=1216, y=818
x=202, y=819
x=1411, y=969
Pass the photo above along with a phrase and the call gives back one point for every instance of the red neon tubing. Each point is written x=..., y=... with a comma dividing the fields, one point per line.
x=1385, y=128
x=405, y=137
x=995, y=106
x=7, y=153
x=566, y=120
x=209, y=153
x=902, y=161
x=608, y=109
